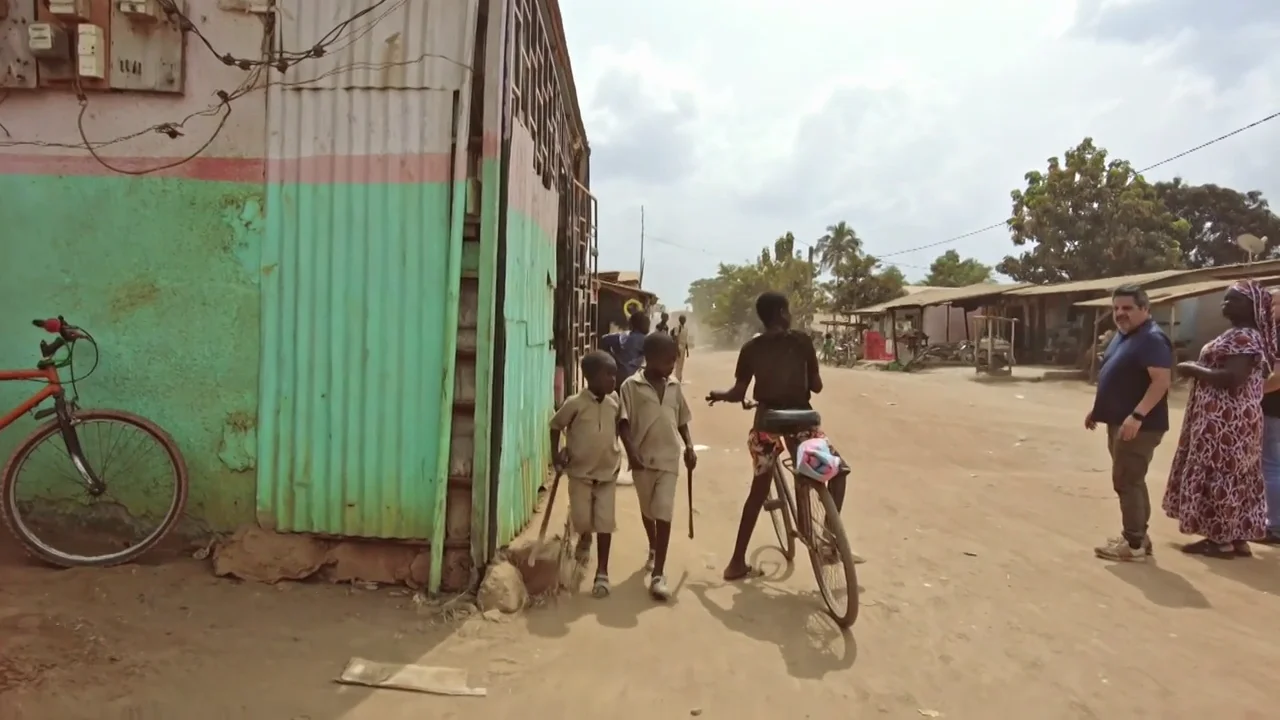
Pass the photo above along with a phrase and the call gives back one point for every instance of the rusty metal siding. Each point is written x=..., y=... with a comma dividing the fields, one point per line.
x=397, y=44
x=361, y=294
x=533, y=213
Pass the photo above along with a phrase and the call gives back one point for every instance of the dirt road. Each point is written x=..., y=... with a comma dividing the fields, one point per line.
x=976, y=507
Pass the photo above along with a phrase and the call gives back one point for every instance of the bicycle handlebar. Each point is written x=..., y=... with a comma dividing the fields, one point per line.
x=59, y=326
x=746, y=404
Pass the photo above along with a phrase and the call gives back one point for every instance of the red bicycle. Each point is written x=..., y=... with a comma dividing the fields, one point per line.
x=90, y=510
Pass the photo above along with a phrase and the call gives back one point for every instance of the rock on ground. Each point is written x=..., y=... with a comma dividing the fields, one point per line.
x=502, y=589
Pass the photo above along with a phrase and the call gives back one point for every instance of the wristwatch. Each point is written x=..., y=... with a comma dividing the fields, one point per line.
x=1138, y=416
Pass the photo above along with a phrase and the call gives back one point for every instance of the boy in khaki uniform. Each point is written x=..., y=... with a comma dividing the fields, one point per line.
x=654, y=424
x=590, y=458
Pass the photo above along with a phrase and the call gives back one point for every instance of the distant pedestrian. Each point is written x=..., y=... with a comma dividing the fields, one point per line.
x=627, y=348
x=1215, y=486
x=664, y=324
x=681, y=333
x=1132, y=402
x=591, y=459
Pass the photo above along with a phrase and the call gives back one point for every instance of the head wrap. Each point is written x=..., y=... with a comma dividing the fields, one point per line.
x=1262, y=317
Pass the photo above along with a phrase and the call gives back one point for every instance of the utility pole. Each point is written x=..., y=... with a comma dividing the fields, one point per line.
x=642, y=246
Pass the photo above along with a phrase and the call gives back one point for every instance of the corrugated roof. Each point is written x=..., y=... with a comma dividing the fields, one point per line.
x=1101, y=284
x=939, y=296
x=619, y=276
x=623, y=289
x=1173, y=293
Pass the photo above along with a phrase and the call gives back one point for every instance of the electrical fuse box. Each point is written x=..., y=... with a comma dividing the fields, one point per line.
x=91, y=51
x=145, y=10
x=47, y=42
x=70, y=9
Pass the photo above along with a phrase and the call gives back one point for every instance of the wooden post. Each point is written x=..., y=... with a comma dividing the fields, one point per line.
x=1013, y=336
x=990, y=326
x=893, y=332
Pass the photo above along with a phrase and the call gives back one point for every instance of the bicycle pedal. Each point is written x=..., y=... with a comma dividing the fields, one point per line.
x=772, y=505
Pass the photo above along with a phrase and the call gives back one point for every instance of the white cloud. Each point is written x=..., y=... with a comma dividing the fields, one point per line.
x=733, y=122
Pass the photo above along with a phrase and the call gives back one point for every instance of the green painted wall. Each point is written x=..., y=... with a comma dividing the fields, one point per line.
x=164, y=273
x=529, y=372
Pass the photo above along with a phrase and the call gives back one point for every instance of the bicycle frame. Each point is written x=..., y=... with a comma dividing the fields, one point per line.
x=52, y=389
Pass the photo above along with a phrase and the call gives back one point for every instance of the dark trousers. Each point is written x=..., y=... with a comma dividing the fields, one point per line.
x=1129, y=462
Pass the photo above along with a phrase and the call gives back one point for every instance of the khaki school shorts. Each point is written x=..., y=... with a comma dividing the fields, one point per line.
x=591, y=505
x=656, y=490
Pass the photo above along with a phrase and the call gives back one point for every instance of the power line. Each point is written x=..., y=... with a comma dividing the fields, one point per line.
x=704, y=251
x=271, y=57
x=1165, y=161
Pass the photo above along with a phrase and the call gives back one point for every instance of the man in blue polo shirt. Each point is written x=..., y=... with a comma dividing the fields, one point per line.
x=627, y=348
x=1132, y=402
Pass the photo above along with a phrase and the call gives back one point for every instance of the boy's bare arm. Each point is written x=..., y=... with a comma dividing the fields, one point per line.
x=624, y=426
x=741, y=381
x=624, y=434
x=815, y=376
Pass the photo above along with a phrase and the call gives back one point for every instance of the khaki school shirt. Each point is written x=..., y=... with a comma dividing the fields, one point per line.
x=654, y=423
x=681, y=334
x=590, y=427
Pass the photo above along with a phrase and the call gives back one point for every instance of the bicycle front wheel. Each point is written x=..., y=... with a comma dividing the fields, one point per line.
x=830, y=553
x=48, y=507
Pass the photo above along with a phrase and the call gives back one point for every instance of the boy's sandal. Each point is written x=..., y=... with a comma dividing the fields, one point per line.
x=1241, y=549
x=600, y=588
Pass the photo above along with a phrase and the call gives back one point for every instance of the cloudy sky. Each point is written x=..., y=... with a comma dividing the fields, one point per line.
x=734, y=121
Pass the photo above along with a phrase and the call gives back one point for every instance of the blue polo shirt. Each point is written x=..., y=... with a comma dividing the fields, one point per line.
x=1123, y=377
x=627, y=349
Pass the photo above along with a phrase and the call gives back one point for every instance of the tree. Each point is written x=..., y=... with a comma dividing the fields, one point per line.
x=838, y=245
x=1216, y=216
x=726, y=303
x=1088, y=218
x=859, y=283
x=950, y=271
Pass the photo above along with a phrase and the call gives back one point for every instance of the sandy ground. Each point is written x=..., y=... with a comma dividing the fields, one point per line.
x=976, y=506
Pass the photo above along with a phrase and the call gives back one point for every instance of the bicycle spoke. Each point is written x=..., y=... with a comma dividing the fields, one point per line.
x=144, y=489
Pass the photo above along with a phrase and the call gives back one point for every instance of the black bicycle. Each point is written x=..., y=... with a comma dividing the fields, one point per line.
x=814, y=521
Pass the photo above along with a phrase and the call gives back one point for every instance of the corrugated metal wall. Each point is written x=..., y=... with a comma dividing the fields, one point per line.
x=529, y=366
x=361, y=270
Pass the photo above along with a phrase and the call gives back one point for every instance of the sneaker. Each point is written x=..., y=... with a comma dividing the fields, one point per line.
x=653, y=559
x=658, y=588
x=1119, y=550
x=1146, y=543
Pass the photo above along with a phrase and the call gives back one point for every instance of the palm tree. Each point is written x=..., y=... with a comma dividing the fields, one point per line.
x=839, y=244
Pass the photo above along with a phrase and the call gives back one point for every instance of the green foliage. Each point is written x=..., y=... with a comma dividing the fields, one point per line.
x=1087, y=218
x=726, y=303
x=949, y=270
x=1216, y=216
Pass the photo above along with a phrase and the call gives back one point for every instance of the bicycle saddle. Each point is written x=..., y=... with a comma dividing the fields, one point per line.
x=785, y=422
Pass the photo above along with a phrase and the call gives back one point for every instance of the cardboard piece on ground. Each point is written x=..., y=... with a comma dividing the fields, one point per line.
x=414, y=678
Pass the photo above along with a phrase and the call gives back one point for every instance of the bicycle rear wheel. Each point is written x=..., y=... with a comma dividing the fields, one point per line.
x=829, y=550
x=782, y=511
x=47, y=506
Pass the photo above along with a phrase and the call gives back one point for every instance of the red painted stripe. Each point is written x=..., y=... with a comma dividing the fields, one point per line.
x=200, y=168
x=355, y=169
x=364, y=169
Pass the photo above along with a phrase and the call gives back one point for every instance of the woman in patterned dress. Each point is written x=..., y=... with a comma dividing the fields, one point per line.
x=1215, y=486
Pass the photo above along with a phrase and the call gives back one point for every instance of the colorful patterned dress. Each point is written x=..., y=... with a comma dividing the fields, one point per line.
x=1215, y=486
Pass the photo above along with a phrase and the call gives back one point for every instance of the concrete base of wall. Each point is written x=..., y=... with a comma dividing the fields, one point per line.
x=252, y=553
